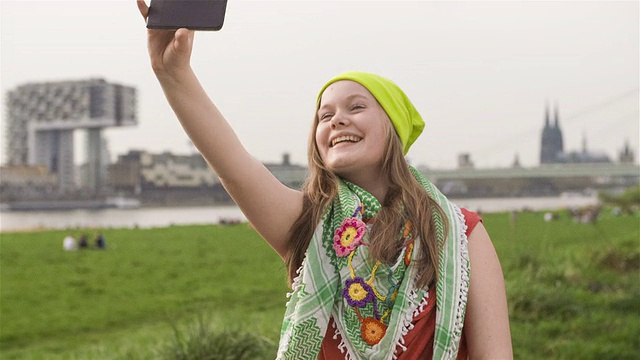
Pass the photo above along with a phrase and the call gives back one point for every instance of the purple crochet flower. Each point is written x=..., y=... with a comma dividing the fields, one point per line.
x=348, y=236
x=357, y=292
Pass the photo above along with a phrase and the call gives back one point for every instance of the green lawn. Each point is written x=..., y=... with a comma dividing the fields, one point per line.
x=54, y=301
x=573, y=289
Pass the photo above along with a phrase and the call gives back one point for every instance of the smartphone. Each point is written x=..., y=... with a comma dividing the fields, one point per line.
x=190, y=14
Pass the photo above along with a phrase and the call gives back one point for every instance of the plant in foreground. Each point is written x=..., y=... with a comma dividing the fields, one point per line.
x=203, y=340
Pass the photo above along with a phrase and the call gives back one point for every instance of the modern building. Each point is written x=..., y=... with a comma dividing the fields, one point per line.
x=290, y=174
x=20, y=182
x=42, y=117
x=166, y=178
x=464, y=161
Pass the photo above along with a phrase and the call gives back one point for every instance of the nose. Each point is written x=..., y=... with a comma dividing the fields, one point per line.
x=338, y=120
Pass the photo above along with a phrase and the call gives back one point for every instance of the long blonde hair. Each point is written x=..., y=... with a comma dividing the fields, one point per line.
x=406, y=200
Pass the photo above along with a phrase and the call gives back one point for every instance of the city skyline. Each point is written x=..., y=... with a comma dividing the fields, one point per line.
x=481, y=73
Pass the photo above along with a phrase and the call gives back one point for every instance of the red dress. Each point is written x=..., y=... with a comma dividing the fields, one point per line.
x=419, y=340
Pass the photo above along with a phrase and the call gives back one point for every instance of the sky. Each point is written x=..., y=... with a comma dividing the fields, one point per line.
x=480, y=73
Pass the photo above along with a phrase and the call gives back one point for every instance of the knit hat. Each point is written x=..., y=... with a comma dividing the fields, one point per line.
x=404, y=116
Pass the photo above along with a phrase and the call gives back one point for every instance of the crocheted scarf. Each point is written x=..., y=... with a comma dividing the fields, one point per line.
x=373, y=304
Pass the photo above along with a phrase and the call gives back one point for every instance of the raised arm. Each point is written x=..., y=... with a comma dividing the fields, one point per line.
x=487, y=319
x=270, y=206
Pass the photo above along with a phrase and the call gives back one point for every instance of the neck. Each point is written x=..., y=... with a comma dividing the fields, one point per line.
x=377, y=186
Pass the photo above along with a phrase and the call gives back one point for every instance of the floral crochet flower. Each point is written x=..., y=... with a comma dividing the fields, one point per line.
x=372, y=330
x=357, y=292
x=348, y=236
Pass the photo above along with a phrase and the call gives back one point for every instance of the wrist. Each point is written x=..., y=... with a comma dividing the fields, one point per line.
x=174, y=76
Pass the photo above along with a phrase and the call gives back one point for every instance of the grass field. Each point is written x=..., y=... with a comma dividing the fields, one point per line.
x=573, y=289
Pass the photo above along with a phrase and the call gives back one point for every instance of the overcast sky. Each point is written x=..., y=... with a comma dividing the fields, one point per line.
x=479, y=72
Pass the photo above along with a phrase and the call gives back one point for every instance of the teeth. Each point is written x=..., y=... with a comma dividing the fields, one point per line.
x=340, y=139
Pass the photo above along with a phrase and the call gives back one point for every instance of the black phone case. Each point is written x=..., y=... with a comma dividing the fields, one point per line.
x=190, y=14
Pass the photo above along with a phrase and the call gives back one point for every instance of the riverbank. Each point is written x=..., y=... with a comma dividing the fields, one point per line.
x=147, y=217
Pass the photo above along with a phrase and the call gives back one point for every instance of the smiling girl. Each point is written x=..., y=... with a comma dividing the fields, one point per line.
x=382, y=265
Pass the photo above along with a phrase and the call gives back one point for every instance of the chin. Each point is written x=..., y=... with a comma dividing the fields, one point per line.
x=340, y=164
x=345, y=171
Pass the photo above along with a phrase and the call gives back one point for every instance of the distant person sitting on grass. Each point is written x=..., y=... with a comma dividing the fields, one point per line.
x=83, y=242
x=382, y=265
x=100, y=243
x=69, y=243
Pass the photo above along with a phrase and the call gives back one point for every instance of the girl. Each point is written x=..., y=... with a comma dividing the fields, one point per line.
x=379, y=260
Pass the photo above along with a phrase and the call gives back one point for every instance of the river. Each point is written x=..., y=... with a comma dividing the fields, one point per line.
x=166, y=216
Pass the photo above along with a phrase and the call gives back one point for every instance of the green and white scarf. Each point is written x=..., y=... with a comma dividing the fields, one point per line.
x=373, y=304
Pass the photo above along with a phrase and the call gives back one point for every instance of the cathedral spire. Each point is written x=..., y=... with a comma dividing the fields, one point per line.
x=546, y=115
x=556, y=117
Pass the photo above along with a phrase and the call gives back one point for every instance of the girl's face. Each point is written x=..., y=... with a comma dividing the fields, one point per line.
x=352, y=131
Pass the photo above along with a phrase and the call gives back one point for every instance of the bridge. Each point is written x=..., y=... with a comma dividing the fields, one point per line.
x=549, y=179
x=546, y=171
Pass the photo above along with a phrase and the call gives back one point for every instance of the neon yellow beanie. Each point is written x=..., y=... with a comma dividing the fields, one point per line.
x=404, y=116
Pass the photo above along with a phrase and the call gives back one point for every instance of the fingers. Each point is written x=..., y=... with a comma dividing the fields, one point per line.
x=185, y=34
x=143, y=8
x=184, y=39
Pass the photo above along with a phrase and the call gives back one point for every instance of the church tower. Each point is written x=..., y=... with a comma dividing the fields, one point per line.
x=626, y=155
x=552, y=145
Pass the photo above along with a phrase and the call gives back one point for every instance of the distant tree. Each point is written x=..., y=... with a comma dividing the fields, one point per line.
x=628, y=201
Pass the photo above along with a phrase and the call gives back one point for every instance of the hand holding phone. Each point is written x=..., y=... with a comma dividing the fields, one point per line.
x=190, y=14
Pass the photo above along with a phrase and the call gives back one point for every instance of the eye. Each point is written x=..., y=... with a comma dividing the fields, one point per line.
x=357, y=107
x=326, y=117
